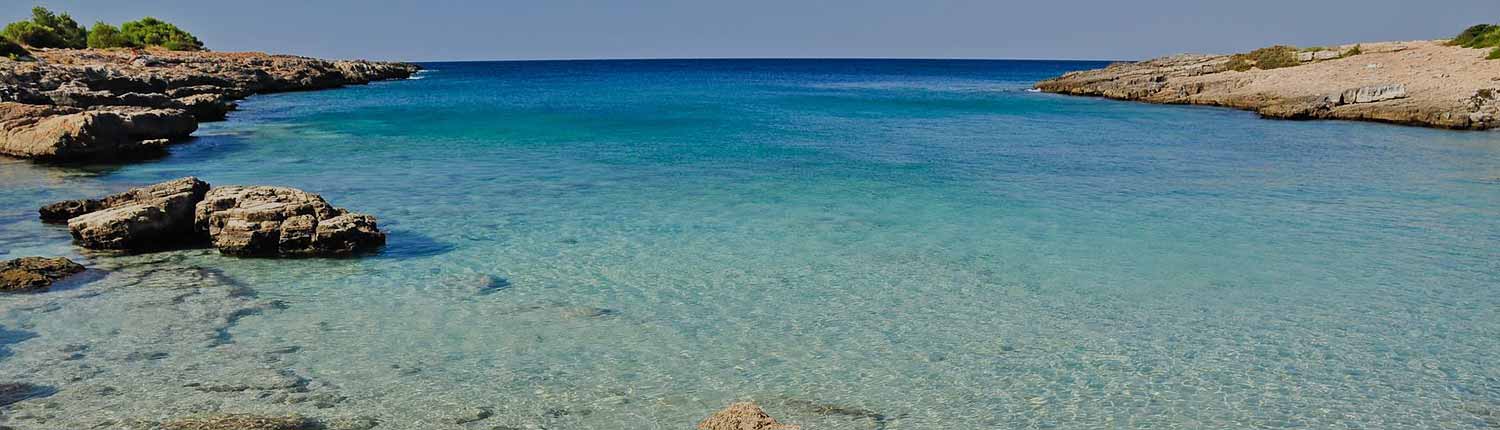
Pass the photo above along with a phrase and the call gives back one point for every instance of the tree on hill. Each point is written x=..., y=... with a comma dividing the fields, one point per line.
x=150, y=31
x=103, y=35
x=46, y=30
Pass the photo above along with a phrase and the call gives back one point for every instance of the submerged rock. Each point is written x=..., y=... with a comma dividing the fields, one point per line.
x=142, y=218
x=35, y=273
x=239, y=422
x=285, y=222
x=11, y=392
x=743, y=416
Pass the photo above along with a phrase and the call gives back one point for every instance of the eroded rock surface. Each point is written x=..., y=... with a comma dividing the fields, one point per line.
x=142, y=218
x=29, y=274
x=1424, y=83
x=279, y=221
x=107, y=104
x=743, y=416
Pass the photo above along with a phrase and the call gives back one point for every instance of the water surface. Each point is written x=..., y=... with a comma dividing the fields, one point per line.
x=854, y=244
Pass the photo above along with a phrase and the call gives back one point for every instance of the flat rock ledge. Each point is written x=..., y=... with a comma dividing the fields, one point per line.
x=115, y=104
x=255, y=221
x=35, y=274
x=1423, y=83
x=743, y=416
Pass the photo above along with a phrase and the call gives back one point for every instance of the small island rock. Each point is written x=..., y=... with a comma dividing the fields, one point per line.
x=142, y=218
x=28, y=274
x=283, y=222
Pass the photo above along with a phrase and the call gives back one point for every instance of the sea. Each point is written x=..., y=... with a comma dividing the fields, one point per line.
x=851, y=244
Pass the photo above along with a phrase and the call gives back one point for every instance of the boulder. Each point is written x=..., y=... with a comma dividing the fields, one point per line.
x=62, y=133
x=35, y=273
x=140, y=219
x=61, y=212
x=283, y=222
x=743, y=416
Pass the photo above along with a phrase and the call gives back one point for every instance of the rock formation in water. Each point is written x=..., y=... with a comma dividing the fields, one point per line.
x=743, y=416
x=239, y=221
x=106, y=104
x=30, y=274
x=239, y=422
x=1425, y=83
x=286, y=222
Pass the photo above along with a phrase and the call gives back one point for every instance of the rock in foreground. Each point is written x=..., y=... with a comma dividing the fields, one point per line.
x=743, y=416
x=1423, y=83
x=283, y=222
x=240, y=221
x=143, y=218
x=30, y=274
x=86, y=104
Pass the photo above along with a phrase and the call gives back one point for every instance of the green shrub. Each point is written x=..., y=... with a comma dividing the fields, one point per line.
x=1494, y=54
x=12, y=50
x=1356, y=50
x=1477, y=36
x=103, y=35
x=154, y=32
x=1275, y=57
x=46, y=30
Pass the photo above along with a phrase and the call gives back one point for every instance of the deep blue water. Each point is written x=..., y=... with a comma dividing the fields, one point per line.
x=922, y=244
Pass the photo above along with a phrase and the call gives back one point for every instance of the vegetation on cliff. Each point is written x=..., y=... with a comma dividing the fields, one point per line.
x=49, y=30
x=1274, y=57
x=12, y=50
x=1480, y=36
x=46, y=30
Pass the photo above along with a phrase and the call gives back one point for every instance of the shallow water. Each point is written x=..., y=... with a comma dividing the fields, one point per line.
x=853, y=244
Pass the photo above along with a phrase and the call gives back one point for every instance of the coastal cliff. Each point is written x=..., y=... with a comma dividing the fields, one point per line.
x=84, y=104
x=1426, y=83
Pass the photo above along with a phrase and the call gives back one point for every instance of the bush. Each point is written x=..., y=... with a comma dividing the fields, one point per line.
x=154, y=32
x=1480, y=36
x=103, y=35
x=12, y=50
x=1356, y=50
x=1274, y=57
x=47, y=30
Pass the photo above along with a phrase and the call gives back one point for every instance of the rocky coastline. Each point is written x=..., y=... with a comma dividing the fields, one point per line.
x=117, y=104
x=1421, y=83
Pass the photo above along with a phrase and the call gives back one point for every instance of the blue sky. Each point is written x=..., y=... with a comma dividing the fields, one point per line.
x=1077, y=29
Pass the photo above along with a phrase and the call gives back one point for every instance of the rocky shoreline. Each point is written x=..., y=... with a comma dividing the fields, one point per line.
x=1422, y=83
x=117, y=104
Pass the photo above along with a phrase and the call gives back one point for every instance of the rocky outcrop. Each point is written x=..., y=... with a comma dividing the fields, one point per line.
x=143, y=218
x=106, y=104
x=30, y=274
x=285, y=222
x=1424, y=83
x=240, y=221
x=743, y=416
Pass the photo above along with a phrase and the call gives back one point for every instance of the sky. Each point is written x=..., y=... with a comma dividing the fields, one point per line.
x=435, y=30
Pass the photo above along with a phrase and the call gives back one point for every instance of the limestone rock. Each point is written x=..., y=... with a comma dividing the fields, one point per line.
x=1426, y=83
x=743, y=416
x=35, y=273
x=1372, y=94
x=279, y=221
x=62, y=133
x=143, y=218
x=62, y=211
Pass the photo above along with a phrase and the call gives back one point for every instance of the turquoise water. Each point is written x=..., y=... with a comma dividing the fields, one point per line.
x=852, y=244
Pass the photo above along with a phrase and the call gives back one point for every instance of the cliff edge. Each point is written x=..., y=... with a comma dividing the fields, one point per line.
x=1425, y=83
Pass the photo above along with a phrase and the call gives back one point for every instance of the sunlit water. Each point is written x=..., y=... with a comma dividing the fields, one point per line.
x=852, y=244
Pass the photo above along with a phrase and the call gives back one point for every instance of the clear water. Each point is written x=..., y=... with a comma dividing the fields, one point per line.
x=852, y=244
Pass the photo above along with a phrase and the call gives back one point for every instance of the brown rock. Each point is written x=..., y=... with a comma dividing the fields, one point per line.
x=62, y=211
x=239, y=422
x=61, y=134
x=144, y=218
x=35, y=273
x=279, y=221
x=743, y=416
x=1391, y=82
